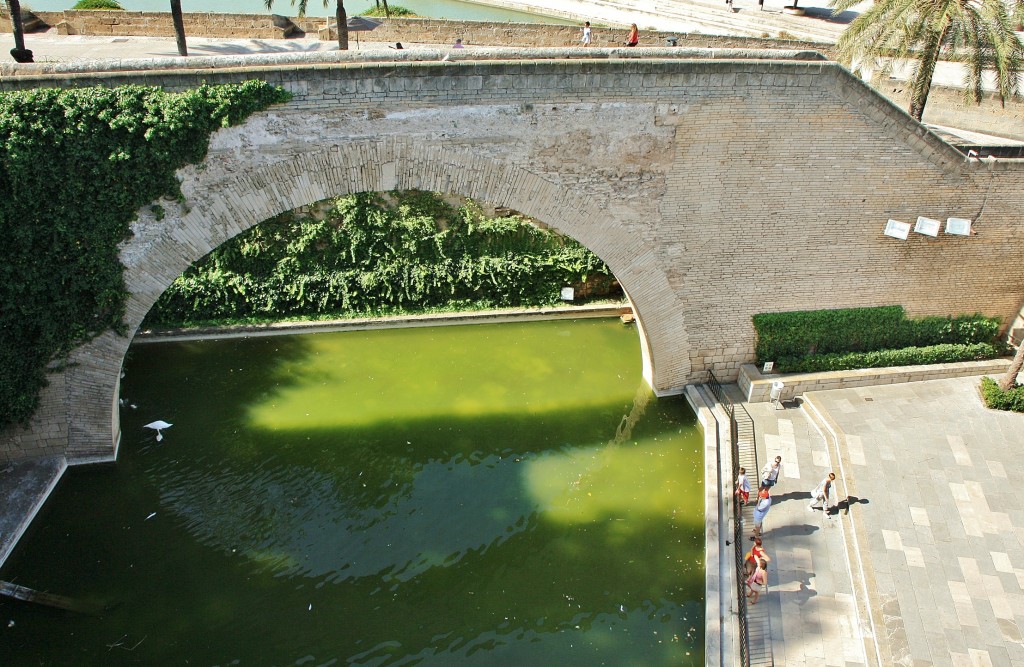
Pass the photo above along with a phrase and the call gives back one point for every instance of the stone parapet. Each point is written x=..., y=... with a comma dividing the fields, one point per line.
x=757, y=386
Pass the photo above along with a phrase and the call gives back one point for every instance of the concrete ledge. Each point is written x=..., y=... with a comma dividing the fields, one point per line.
x=757, y=387
x=24, y=487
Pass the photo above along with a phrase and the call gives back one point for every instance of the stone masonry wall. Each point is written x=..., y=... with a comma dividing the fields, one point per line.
x=408, y=30
x=714, y=189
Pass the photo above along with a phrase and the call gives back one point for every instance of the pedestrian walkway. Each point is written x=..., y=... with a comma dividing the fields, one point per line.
x=923, y=565
x=811, y=600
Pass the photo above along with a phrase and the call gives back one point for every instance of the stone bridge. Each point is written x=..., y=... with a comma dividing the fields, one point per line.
x=715, y=184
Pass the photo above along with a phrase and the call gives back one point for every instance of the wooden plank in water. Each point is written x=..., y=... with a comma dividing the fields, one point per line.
x=25, y=594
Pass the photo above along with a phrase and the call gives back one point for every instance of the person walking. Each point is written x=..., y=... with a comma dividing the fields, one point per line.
x=770, y=472
x=634, y=36
x=824, y=493
x=743, y=486
x=757, y=580
x=586, y=34
x=756, y=554
x=764, y=503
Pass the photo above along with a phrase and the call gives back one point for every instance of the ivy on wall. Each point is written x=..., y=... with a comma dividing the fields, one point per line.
x=75, y=167
x=369, y=254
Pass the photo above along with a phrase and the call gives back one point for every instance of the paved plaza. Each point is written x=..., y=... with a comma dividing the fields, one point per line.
x=927, y=557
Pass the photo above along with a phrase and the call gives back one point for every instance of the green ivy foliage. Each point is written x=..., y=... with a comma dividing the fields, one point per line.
x=997, y=399
x=75, y=166
x=794, y=335
x=371, y=254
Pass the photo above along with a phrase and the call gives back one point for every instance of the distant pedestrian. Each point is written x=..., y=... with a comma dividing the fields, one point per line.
x=770, y=472
x=586, y=34
x=458, y=44
x=757, y=580
x=756, y=553
x=743, y=486
x=824, y=493
x=634, y=36
x=764, y=503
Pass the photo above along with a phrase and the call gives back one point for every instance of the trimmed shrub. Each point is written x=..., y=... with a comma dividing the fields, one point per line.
x=997, y=399
x=806, y=333
x=910, y=356
x=393, y=11
x=98, y=4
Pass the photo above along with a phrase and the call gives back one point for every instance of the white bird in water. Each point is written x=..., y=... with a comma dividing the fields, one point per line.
x=157, y=426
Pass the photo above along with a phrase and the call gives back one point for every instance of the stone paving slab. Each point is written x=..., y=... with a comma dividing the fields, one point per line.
x=24, y=487
x=938, y=515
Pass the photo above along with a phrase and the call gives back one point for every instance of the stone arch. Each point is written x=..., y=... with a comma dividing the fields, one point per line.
x=221, y=203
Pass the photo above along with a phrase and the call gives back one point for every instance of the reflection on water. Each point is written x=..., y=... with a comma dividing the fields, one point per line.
x=492, y=494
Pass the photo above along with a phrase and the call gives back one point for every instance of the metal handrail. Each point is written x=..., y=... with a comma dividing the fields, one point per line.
x=735, y=416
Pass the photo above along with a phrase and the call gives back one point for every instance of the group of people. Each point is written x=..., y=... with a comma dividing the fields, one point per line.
x=756, y=561
x=632, y=40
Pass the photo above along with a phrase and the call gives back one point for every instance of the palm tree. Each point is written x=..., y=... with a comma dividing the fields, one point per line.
x=179, y=27
x=19, y=52
x=1009, y=381
x=339, y=16
x=977, y=32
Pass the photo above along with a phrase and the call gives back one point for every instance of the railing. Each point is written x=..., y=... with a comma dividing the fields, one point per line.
x=755, y=638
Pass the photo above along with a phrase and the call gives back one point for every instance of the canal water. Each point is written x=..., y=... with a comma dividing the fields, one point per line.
x=446, y=9
x=493, y=494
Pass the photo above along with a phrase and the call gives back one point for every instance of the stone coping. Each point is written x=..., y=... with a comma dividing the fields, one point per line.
x=390, y=322
x=756, y=387
x=429, y=55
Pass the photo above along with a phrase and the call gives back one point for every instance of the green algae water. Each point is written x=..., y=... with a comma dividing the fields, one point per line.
x=495, y=494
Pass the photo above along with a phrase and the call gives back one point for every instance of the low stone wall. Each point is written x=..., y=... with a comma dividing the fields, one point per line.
x=159, y=24
x=407, y=30
x=757, y=387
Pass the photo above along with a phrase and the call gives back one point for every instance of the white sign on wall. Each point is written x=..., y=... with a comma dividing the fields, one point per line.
x=927, y=226
x=897, y=229
x=958, y=226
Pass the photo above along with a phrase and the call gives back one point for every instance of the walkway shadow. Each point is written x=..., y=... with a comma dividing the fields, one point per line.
x=789, y=531
x=844, y=505
x=790, y=495
x=825, y=14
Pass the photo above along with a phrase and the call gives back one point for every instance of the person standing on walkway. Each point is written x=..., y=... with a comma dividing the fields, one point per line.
x=824, y=493
x=754, y=556
x=586, y=34
x=634, y=36
x=743, y=486
x=764, y=503
x=770, y=473
x=757, y=580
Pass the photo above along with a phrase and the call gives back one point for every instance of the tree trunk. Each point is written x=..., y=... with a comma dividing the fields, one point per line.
x=922, y=83
x=19, y=52
x=1009, y=381
x=342, y=18
x=179, y=27
x=387, y=11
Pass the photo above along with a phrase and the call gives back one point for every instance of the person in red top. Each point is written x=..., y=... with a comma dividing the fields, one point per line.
x=634, y=36
x=756, y=554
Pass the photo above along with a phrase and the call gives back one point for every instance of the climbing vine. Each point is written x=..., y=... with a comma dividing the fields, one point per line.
x=371, y=254
x=75, y=166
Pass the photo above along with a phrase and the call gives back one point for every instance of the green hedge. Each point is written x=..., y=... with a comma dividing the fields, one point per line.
x=75, y=167
x=997, y=399
x=816, y=332
x=909, y=356
x=371, y=255
x=98, y=4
